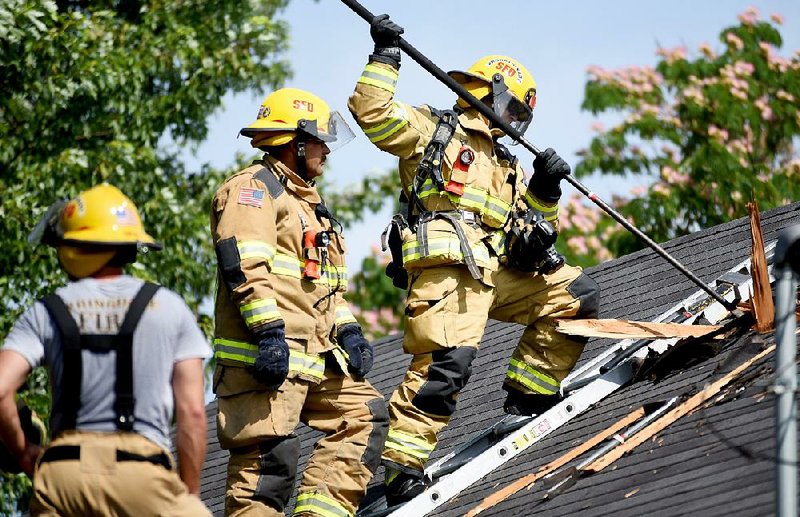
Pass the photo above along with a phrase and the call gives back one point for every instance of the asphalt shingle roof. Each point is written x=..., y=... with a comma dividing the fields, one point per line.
x=698, y=464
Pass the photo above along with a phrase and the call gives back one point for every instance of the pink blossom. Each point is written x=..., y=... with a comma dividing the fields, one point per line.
x=777, y=18
x=706, y=50
x=734, y=41
x=784, y=95
x=736, y=196
x=674, y=54
x=661, y=189
x=763, y=177
x=739, y=94
x=638, y=190
x=743, y=68
x=718, y=134
x=598, y=127
x=577, y=244
x=749, y=16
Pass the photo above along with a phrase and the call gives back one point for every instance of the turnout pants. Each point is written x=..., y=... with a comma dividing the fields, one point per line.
x=92, y=473
x=257, y=426
x=447, y=312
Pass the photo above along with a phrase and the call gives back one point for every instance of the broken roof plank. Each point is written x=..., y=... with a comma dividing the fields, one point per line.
x=763, y=306
x=621, y=329
x=526, y=481
x=682, y=410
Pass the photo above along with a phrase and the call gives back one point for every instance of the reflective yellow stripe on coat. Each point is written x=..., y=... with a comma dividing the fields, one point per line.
x=260, y=311
x=344, y=316
x=332, y=275
x=255, y=249
x=549, y=212
x=474, y=199
x=246, y=353
x=438, y=246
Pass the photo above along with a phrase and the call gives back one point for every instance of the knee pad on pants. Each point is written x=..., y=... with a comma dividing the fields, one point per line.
x=447, y=375
x=588, y=292
x=380, y=428
x=278, y=468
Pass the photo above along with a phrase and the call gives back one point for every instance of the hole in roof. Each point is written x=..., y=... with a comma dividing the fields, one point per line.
x=434, y=496
x=570, y=408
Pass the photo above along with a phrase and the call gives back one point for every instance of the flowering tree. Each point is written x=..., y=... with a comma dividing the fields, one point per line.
x=709, y=132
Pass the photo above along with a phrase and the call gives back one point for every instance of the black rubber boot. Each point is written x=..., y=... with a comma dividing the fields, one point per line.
x=404, y=487
x=524, y=404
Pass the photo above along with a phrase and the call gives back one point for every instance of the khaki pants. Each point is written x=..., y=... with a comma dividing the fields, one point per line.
x=257, y=426
x=98, y=484
x=447, y=312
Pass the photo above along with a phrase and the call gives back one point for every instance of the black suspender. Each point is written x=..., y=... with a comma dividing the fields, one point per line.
x=74, y=342
x=69, y=400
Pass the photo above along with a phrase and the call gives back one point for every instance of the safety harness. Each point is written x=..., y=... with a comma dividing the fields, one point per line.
x=430, y=167
x=68, y=405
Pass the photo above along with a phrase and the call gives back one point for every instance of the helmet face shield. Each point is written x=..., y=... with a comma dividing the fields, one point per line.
x=513, y=111
x=47, y=230
x=335, y=131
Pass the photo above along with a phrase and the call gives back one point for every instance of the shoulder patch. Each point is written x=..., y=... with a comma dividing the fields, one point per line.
x=274, y=186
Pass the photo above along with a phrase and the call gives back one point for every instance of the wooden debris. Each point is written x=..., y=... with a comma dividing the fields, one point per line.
x=687, y=407
x=763, y=306
x=622, y=329
x=528, y=480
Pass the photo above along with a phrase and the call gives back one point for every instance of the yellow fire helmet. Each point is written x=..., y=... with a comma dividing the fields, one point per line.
x=512, y=86
x=290, y=112
x=92, y=226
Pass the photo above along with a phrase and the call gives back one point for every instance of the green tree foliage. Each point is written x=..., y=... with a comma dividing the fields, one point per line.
x=110, y=90
x=709, y=132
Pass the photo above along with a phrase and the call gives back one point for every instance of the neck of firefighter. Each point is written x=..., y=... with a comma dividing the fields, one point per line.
x=306, y=158
x=108, y=272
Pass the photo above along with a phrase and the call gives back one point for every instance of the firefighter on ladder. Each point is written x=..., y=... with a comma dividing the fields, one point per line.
x=288, y=348
x=122, y=356
x=476, y=242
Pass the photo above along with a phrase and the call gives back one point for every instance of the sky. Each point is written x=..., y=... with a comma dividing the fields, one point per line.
x=555, y=41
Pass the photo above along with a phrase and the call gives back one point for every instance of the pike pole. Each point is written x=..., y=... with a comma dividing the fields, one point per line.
x=487, y=112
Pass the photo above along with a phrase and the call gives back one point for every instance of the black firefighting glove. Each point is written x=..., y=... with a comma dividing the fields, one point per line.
x=548, y=171
x=386, y=35
x=360, y=355
x=272, y=363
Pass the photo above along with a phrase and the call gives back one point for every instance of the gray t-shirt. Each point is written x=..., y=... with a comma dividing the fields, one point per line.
x=166, y=334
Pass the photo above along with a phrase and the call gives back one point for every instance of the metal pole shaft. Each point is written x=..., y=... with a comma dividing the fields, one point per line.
x=498, y=122
x=786, y=388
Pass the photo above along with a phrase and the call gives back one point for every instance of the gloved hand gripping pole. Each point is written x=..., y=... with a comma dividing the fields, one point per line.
x=497, y=122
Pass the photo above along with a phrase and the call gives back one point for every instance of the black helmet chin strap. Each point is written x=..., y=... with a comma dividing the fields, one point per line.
x=302, y=169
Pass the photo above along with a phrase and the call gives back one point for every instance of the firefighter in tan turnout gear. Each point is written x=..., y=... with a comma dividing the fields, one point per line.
x=123, y=355
x=288, y=348
x=476, y=243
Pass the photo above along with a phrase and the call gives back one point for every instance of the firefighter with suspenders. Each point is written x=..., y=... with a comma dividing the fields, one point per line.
x=123, y=356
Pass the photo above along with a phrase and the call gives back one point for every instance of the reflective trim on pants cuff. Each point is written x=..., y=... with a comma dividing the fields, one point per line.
x=320, y=504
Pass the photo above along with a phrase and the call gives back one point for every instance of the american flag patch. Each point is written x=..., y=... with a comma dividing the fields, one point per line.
x=251, y=197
